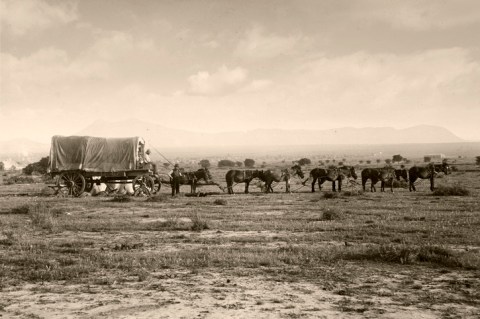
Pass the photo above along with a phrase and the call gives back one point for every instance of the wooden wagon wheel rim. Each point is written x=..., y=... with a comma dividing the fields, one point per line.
x=143, y=185
x=74, y=182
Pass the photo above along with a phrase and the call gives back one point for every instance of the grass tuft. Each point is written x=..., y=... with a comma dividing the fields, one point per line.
x=455, y=190
x=330, y=195
x=332, y=214
x=22, y=209
x=198, y=224
x=220, y=201
x=42, y=216
x=122, y=199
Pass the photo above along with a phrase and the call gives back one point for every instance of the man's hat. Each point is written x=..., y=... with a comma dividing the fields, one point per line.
x=176, y=165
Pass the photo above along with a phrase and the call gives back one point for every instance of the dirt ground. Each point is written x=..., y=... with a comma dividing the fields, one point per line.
x=259, y=256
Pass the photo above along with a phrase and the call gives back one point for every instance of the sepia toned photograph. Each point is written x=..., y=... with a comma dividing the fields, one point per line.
x=213, y=159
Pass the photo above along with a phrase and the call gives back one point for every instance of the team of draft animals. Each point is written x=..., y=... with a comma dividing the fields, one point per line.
x=385, y=175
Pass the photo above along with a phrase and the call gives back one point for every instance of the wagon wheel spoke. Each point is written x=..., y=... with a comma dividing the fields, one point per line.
x=143, y=185
x=73, y=182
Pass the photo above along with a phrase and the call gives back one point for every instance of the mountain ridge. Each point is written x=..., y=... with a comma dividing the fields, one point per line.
x=162, y=136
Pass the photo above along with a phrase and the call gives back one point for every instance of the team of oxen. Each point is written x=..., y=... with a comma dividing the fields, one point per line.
x=336, y=175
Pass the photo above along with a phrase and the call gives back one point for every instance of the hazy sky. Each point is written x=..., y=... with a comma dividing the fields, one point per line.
x=239, y=65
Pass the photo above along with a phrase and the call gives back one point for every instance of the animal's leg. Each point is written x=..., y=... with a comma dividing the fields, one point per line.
x=364, y=182
x=391, y=185
x=372, y=186
x=246, y=186
x=313, y=184
x=412, y=184
x=320, y=182
x=432, y=182
x=340, y=185
x=287, y=186
x=230, y=186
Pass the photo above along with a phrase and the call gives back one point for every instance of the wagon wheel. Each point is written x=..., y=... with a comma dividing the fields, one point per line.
x=143, y=185
x=157, y=184
x=73, y=182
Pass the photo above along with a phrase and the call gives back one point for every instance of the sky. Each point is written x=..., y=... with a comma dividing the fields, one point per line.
x=214, y=66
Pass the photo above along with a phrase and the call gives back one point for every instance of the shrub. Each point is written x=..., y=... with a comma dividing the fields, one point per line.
x=204, y=163
x=455, y=190
x=248, y=162
x=41, y=167
x=239, y=164
x=427, y=159
x=369, y=162
x=304, y=161
x=397, y=158
x=388, y=161
x=477, y=160
x=226, y=163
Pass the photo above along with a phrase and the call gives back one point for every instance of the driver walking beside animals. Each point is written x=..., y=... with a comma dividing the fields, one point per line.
x=175, y=175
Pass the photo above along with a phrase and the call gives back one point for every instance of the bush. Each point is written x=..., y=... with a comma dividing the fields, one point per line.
x=204, y=163
x=304, y=161
x=239, y=164
x=397, y=158
x=40, y=167
x=226, y=163
x=455, y=190
x=477, y=160
x=249, y=162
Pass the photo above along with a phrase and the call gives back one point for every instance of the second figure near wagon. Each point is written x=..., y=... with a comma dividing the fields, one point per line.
x=175, y=176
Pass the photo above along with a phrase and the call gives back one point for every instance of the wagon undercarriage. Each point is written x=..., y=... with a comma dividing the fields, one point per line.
x=75, y=183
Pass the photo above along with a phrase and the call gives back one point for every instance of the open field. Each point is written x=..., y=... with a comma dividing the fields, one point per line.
x=299, y=255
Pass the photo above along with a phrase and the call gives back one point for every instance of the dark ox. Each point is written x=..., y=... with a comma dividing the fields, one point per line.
x=426, y=172
x=278, y=175
x=332, y=174
x=384, y=175
x=240, y=176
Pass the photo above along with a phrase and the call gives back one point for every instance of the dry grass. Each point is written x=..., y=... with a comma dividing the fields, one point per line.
x=283, y=237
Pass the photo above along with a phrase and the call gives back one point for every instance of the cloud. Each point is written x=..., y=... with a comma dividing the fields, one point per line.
x=419, y=15
x=388, y=89
x=257, y=85
x=258, y=45
x=20, y=17
x=219, y=82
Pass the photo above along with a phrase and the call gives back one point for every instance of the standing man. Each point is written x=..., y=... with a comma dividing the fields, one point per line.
x=175, y=176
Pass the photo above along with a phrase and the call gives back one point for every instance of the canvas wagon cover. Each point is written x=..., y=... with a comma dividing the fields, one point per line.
x=93, y=154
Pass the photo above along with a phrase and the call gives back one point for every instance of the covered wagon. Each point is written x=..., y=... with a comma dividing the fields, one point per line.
x=79, y=162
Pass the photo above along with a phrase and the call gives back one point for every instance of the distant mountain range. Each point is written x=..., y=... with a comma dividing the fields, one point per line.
x=163, y=137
